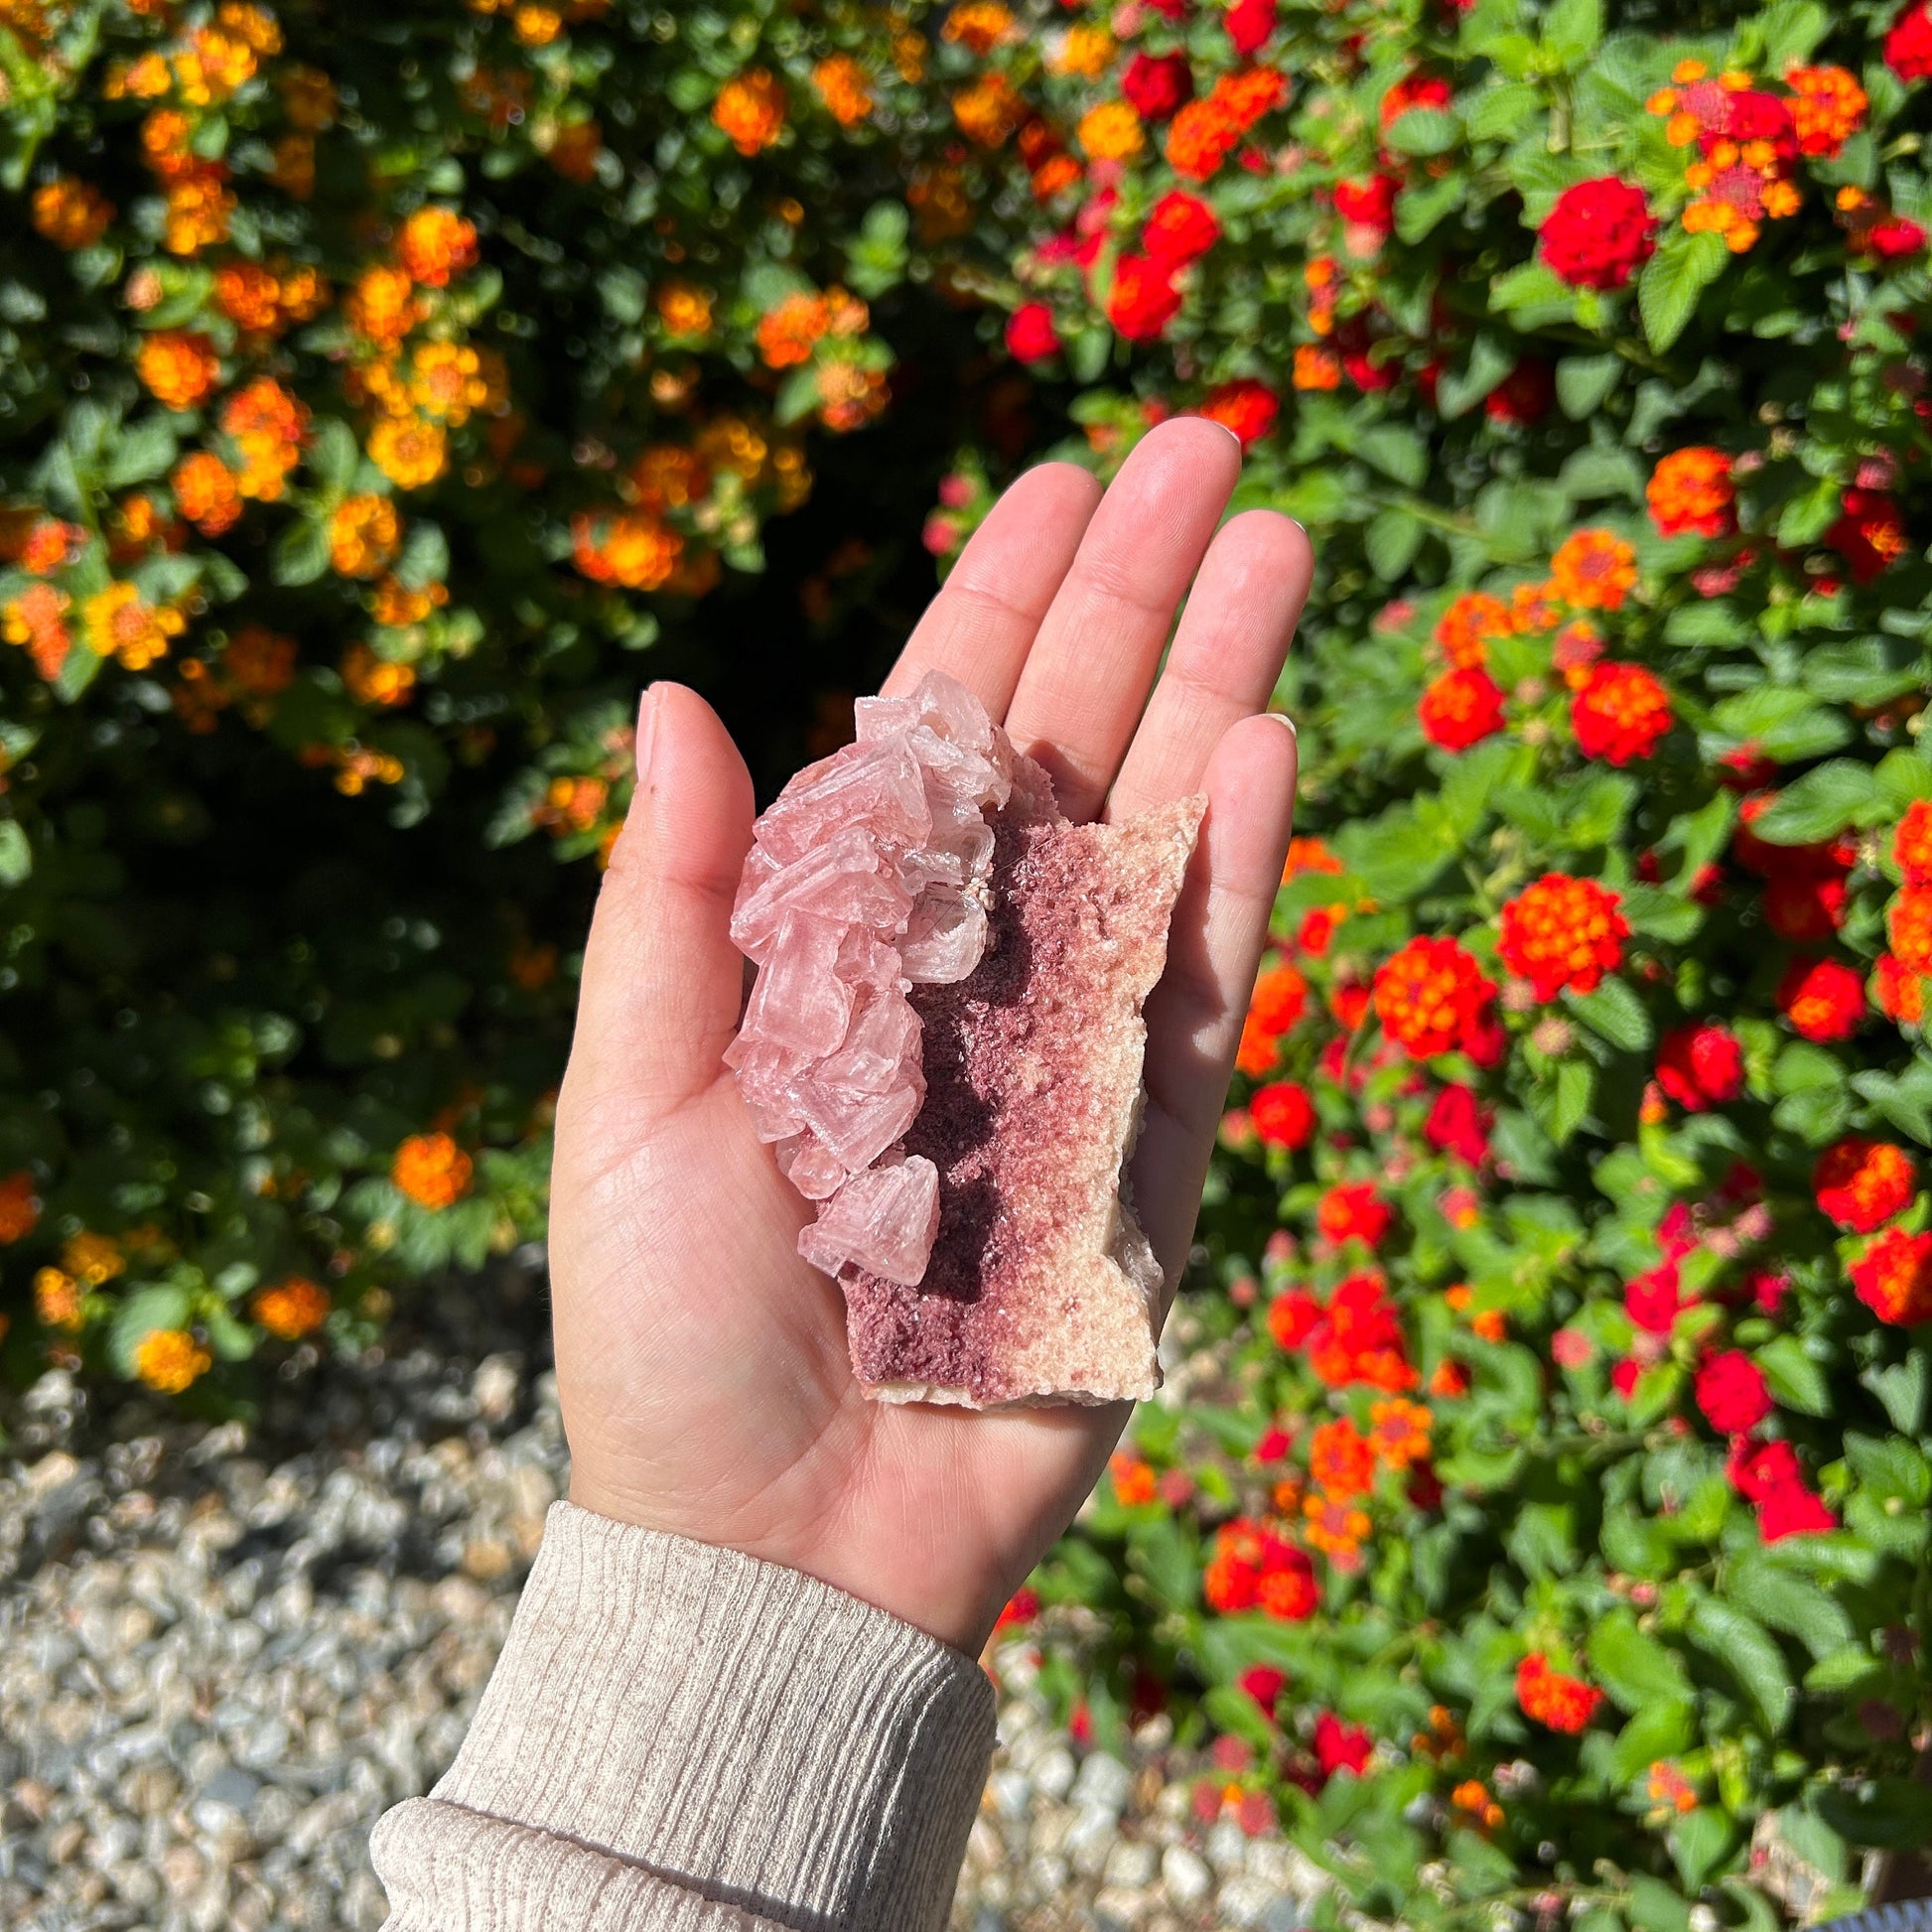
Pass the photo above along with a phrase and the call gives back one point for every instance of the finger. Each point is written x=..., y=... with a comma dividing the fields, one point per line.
x=981, y=626
x=662, y=977
x=1086, y=678
x=1226, y=655
x=1194, y=1015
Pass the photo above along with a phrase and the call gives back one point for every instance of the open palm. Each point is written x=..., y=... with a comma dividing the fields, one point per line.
x=702, y=1365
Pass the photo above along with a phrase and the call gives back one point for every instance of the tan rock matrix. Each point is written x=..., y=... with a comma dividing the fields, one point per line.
x=944, y=1045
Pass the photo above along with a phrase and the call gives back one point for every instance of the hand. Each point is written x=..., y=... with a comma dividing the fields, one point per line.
x=702, y=1365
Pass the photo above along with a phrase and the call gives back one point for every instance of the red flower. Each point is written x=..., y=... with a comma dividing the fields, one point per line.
x=1769, y=1475
x=1359, y=1340
x=1599, y=233
x=1803, y=907
x=1652, y=1299
x=1908, y=46
x=1565, y=1704
x=1894, y=1278
x=1733, y=1393
x=1690, y=491
x=1283, y=1114
x=1341, y=1748
x=1861, y=1183
x=1431, y=996
x=1264, y=1684
x=1353, y=1211
x=1823, y=999
x=1249, y=23
x=1793, y=1510
x=1368, y=203
x=1180, y=228
x=1893, y=238
x=1253, y=1568
x=1563, y=932
x=1625, y=1376
x=1245, y=406
x=1426, y=90
x=1144, y=299
x=1524, y=395
x=1911, y=843
x=1619, y=714
x=1699, y=1066
x=1031, y=334
x=1460, y=709
x=1293, y=1318
x=1456, y=1124
x=1869, y=534
x=1155, y=86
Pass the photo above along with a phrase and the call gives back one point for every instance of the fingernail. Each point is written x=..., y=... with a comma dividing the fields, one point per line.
x=646, y=730
x=1282, y=718
x=1223, y=428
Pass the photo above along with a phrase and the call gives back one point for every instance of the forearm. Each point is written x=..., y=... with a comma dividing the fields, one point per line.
x=681, y=1738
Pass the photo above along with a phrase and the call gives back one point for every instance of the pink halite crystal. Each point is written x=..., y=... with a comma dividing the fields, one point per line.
x=867, y=877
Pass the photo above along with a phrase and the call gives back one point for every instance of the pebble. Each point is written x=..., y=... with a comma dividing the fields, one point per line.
x=226, y=1650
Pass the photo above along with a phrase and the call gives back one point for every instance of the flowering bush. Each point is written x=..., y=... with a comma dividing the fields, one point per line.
x=372, y=387
x=1537, y=1509
x=1550, y=1411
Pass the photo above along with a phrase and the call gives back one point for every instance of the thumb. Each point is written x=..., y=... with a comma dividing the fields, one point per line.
x=662, y=981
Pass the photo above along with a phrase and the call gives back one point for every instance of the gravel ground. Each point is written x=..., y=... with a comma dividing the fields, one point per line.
x=224, y=1651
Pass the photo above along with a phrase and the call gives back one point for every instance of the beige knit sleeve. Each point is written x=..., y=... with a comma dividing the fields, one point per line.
x=679, y=1738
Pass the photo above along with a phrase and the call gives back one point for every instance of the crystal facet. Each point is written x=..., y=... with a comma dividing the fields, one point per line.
x=867, y=876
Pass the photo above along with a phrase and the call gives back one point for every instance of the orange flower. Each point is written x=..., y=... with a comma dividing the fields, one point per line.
x=170, y=1360
x=1341, y=1460
x=1691, y=491
x=180, y=368
x=1317, y=366
x=383, y=306
x=751, y=108
x=1563, y=932
x=633, y=549
x=1481, y=1811
x=373, y=680
x=1595, y=570
x=788, y=333
x=1463, y=630
x=51, y=545
x=1133, y=1481
x=1490, y=1324
x=1911, y=843
x=36, y=619
x=988, y=112
x=1620, y=713
x=410, y=451
x=978, y=24
x=292, y=1309
x=1827, y=108
x=685, y=311
x=432, y=1171
x=1399, y=1431
x=1908, y=920
x=842, y=84
x=1860, y=1182
x=1459, y=709
x=435, y=244
x=1899, y=993
x=1336, y=1527
x=1565, y=1704
x=20, y=1208
x=259, y=663
x=72, y=213
x=57, y=1298
x=1893, y=1278
x=199, y=204
x=395, y=604
x=1669, y=1788
x=1308, y=855
x=269, y=426
x=121, y=625
x=362, y=535
x=1432, y=996
x=1111, y=132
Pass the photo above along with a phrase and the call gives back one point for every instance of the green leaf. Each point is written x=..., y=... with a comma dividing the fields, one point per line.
x=301, y=553
x=333, y=455
x=1655, y=1907
x=1422, y=131
x=1902, y=1389
x=139, y=454
x=1905, y=1099
x=1634, y=1669
x=1391, y=542
x=1660, y=1729
x=1822, y=803
x=1756, y=1581
x=1613, y=1012
x=1574, y=1092
x=1740, y=1645
x=1396, y=452
x=1796, y=1380
x=1582, y=381
x=16, y=854
x=1699, y=1842
x=1891, y=1813
x=1658, y=914
x=1571, y=30
x=1499, y=113
x=1088, y=351
x=1683, y=267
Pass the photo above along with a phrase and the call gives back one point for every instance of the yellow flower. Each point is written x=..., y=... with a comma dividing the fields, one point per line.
x=57, y=1298
x=170, y=1360
x=119, y=624
x=1085, y=50
x=1112, y=131
x=362, y=535
x=92, y=1257
x=410, y=451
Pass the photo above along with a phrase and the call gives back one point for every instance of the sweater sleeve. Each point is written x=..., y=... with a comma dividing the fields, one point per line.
x=678, y=1738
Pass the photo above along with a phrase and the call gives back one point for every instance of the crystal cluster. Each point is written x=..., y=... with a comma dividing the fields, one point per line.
x=867, y=877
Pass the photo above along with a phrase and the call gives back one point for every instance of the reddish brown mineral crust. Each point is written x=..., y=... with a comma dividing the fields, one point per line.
x=1041, y=1286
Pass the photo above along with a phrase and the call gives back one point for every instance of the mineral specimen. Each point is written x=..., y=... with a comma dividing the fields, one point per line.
x=945, y=1043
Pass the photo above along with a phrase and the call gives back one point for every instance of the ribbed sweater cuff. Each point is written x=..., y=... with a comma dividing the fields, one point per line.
x=730, y=1727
